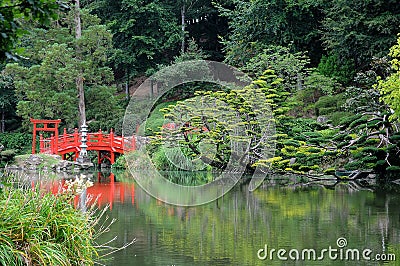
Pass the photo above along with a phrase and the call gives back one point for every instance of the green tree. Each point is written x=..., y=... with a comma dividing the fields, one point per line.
x=198, y=67
x=200, y=21
x=389, y=87
x=207, y=136
x=145, y=33
x=292, y=68
x=305, y=83
x=354, y=31
x=256, y=24
x=14, y=13
x=8, y=101
x=46, y=86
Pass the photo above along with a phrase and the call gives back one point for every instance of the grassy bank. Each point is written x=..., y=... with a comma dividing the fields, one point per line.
x=39, y=228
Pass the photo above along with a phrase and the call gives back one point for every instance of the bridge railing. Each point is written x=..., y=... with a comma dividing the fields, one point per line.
x=98, y=140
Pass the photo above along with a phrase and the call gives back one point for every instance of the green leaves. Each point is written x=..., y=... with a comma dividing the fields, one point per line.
x=146, y=33
x=226, y=120
x=356, y=31
x=389, y=87
x=47, y=88
x=12, y=16
x=257, y=24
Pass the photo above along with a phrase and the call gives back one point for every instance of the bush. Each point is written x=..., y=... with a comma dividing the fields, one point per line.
x=330, y=66
x=19, y=142
x=338, y=117
x=6, y=156
x=327, y=110
x=156, y=118
x=326, y=101
x=120, y=163
x=161, y=161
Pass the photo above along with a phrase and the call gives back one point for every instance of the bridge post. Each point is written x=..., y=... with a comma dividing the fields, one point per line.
x=111, y=146
x=65, y=136
x=34, y=138
x=100, y=134
x=41, y=143
x=76, y=142
x=56, y=141
x=111, y=138
x=53, y=148
x=133, y=143
x=112, y=159
x=76, y=137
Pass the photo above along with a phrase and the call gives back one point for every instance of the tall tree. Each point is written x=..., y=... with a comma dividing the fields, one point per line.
x=50, y=76
x=79, y=78
x=8, y=100
x=256, y=24
x=355, y=31
x=145, y=33
x=199, y=20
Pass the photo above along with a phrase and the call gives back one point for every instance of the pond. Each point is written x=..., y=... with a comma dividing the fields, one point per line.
x=242, y=226
x=292, y=224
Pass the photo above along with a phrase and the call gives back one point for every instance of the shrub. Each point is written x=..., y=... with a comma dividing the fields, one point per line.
x=326, y=101
x=19, y=142
x=120, y=163
x=6, y=156
x=162, y=162
x=330, y=171
x=339, y=117
x=327, y=110
x=156, y=119
x=330, y=66
x=356, y=165
x=393, y=168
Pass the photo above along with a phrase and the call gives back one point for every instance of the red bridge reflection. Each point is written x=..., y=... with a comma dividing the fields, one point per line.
x=111, y=191
x=104, y=191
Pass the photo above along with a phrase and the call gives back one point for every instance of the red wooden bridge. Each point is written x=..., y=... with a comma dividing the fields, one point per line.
x=107, y=145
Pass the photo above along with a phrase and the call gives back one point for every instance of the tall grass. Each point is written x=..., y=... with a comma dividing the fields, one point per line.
x=39, y=228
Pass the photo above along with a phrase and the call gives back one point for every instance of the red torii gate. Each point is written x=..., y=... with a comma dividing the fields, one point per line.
x=47, y=127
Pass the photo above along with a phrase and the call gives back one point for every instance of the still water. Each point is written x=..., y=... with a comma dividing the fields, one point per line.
x=232, y=230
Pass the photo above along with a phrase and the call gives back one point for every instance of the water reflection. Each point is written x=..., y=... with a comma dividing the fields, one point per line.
x=105, y=190
x=232, y=229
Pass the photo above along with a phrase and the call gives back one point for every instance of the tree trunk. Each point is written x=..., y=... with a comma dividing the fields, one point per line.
x=183, y=10
x=3, y=126
x=79, y=78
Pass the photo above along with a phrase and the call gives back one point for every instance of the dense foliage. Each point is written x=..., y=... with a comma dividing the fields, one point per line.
x=17, y=12
x=389, y=87
x=243, y=119
x=51, y=73
x=335, y=96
